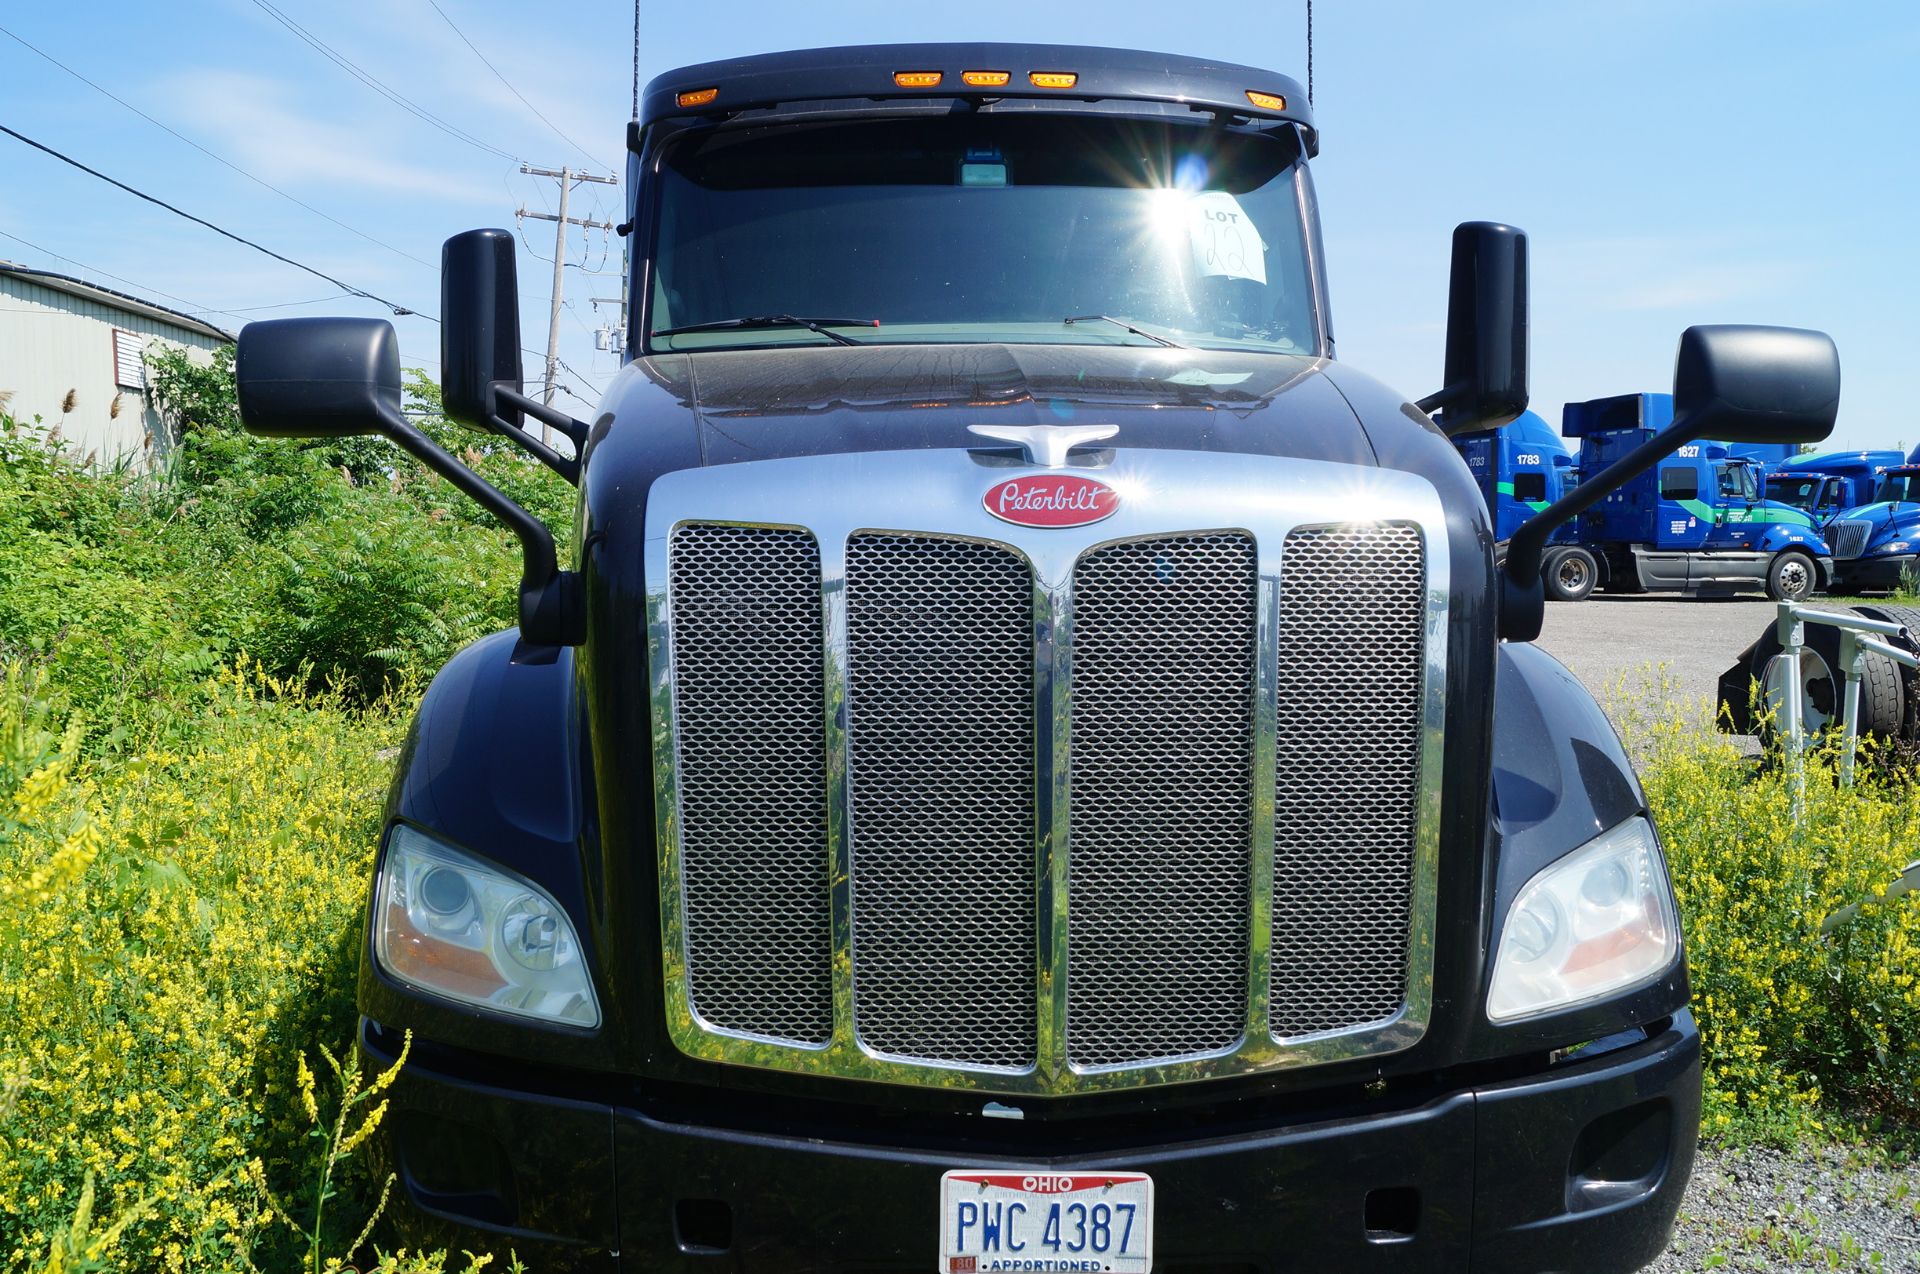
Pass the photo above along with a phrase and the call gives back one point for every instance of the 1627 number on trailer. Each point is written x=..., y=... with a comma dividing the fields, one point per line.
x=1095, y=1222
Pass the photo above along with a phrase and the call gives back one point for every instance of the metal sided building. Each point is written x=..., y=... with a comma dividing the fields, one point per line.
x=72, y=353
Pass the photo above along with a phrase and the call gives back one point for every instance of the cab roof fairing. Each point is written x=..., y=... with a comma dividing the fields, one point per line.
x=866, y=71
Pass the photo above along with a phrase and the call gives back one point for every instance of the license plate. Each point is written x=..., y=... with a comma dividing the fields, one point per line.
x=1096, y=1222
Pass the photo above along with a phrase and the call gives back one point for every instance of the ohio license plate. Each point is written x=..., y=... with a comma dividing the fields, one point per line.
x=1097, y=1222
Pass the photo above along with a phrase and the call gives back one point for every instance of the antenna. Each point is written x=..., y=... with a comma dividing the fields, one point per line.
x=1309, y=46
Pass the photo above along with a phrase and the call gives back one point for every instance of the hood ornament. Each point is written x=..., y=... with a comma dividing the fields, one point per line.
x=1045, y=445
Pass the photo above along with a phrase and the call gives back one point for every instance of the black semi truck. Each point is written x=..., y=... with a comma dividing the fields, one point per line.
x=1035, y=765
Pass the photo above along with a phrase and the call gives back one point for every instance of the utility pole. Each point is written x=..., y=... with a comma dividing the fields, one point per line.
x=568, y=179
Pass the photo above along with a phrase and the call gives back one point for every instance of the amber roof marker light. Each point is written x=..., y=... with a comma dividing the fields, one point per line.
x=986, y=79
x=1053, y=79
x=917, y=79
x=1267, y=101
x=696, y=97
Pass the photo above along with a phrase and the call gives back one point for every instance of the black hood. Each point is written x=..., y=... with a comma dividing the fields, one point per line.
x=761, y=404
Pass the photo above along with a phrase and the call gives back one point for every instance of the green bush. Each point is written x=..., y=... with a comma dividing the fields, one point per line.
x=338, y=562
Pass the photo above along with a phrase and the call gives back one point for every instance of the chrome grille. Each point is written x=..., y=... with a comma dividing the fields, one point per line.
x=949, y=801
x=1848, y=537
x=1160, y=857
x=1352, y=666
x=750, y=718
x=940, y=799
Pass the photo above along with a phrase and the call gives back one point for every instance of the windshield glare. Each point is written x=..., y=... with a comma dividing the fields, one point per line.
x=974, y=228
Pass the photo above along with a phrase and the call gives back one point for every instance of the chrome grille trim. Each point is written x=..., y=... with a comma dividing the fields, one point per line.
x=1847, y=537
x=1167, y=494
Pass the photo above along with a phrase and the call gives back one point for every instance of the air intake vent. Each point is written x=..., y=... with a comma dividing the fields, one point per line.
x=940, y=800
x=1352, y=663
x=751, y=716
x=1161, y=851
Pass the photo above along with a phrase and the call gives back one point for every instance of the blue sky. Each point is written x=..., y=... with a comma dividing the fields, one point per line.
x=1673, y=162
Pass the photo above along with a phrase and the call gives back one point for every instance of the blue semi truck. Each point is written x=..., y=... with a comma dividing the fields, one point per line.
x=1827, y=485
x=1522, y=468
x=1876, y=545
x=1696, y=522
x=1700, y=521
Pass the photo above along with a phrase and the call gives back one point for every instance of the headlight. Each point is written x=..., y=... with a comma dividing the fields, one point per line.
x=1594, y=923
x=456, y=927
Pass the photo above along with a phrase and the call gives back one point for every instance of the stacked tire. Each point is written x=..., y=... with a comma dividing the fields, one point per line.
x=1889, y=692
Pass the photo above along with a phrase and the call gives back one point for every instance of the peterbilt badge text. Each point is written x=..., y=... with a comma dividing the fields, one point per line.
x=1064, y=500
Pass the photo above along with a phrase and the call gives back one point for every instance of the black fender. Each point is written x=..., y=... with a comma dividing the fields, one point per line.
x=1560, y=778
x=492, y=764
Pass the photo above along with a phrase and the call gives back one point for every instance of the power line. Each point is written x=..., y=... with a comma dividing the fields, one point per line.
x=178, y=212
x=219, y=159
x=583, y=380
x=367, y=78
x=282, y=305
x=510, y=88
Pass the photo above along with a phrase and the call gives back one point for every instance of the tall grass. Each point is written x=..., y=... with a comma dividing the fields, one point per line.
x=1802, y=1027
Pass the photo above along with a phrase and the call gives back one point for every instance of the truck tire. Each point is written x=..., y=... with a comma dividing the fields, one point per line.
x=1792, y=577
x=1569, y=574
x=1882, y=691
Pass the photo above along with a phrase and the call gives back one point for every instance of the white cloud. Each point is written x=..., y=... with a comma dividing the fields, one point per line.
x=255, y=121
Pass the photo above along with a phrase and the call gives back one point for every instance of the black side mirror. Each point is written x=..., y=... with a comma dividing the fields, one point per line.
x=479, y=328
x=1757, y=384
x=336, y=377
x=318, y=377
x=1486, y=374
x=1733, y=382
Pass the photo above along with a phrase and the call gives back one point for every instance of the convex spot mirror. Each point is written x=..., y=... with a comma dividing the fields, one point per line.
x=318, y=377
x=1742, y=383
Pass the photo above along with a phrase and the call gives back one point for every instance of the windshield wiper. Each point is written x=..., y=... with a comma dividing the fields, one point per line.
x=820, y=325
x=1108, y=318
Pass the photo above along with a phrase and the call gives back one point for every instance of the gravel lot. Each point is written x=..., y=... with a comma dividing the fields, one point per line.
x=1827, y=1208
x=1605, y=638
x=1819, y=1208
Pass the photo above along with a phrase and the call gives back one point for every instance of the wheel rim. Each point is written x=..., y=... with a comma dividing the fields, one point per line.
x=1817, y=698
x=1571, y=572
x=1795, y=579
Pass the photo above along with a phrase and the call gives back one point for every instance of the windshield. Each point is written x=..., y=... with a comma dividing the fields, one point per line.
x=1801, y=493
x=1901, y=488
x=980, y=227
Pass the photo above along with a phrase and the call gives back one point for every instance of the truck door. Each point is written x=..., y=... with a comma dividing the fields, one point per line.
x=1833, y=498
x=1686, y=515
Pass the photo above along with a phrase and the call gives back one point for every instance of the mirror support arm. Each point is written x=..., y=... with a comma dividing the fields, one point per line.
x=567, y=467
x=551, y=613
x=1522, y=600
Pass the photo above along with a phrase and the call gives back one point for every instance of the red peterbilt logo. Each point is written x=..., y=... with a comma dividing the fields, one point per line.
x=1052, y=500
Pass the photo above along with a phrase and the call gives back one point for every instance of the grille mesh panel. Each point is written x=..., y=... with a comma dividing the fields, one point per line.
x=940, y=719
x=1352, y=659
x=1848, y=537
x=749, y=708
x=1161, y=855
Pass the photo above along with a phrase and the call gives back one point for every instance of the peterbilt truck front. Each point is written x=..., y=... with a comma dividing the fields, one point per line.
x=1035, y=765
